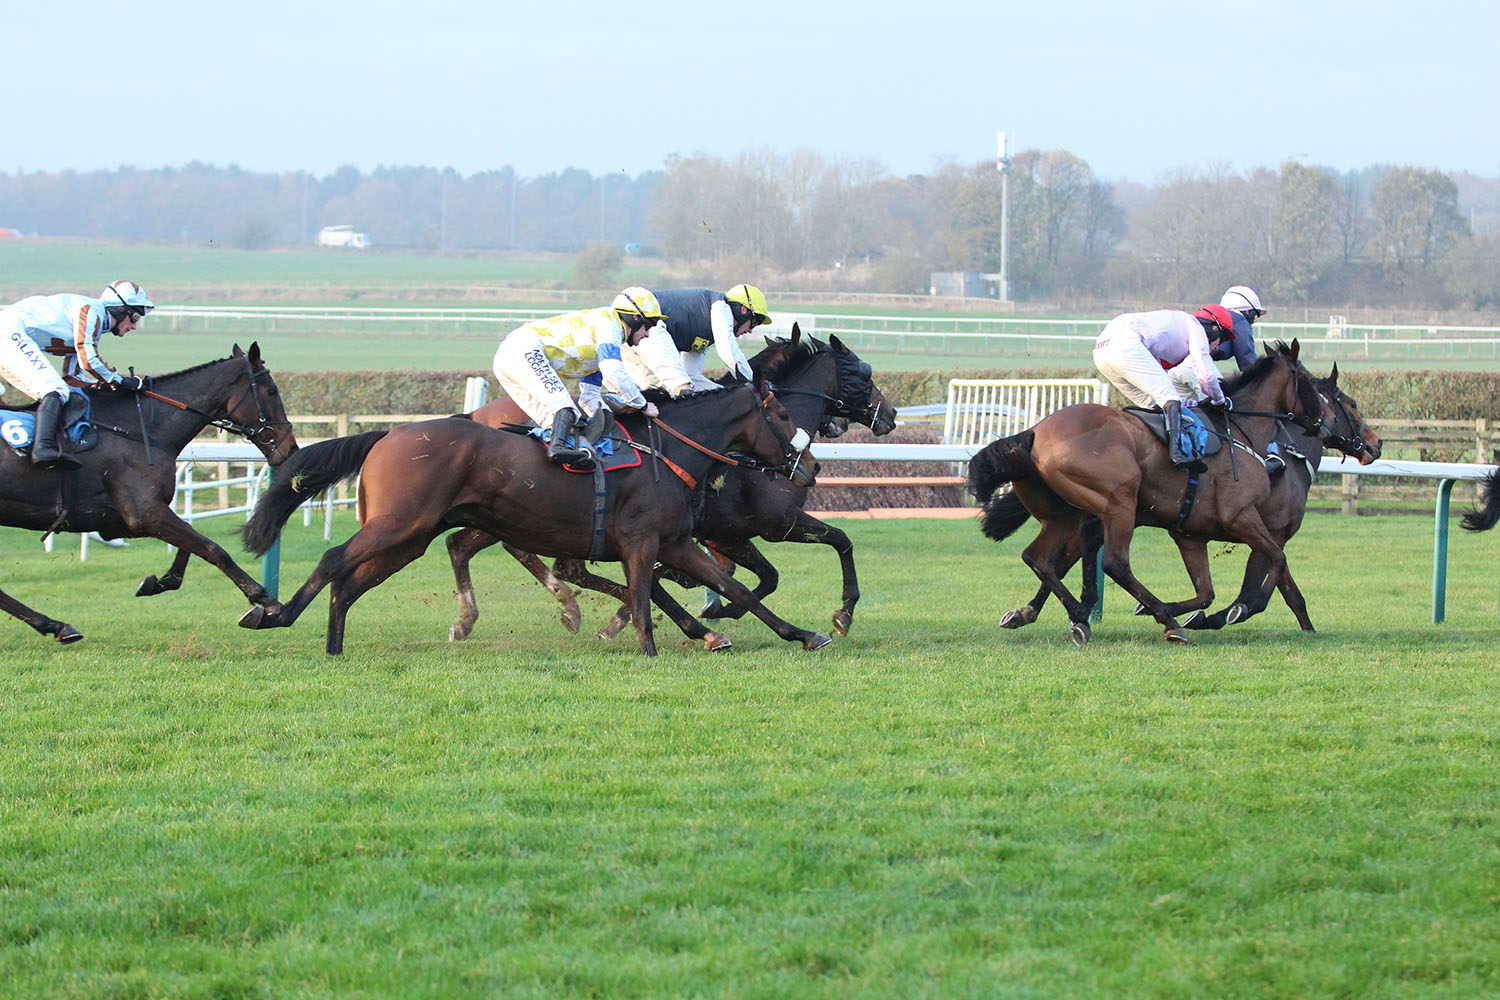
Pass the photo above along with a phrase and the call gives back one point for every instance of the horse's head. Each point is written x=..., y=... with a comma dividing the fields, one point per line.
x=775, y=441
x=858, y=397
x=832, y=372
x=254, y=408
x=1350, y=433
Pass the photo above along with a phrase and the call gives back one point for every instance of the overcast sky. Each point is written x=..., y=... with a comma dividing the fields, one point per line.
x=1136, y=89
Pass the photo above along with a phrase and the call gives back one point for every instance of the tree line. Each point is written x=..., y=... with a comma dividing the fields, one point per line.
x=1384, y=235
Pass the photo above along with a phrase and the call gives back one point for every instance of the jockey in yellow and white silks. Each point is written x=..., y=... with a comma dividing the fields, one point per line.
x=30, y=325
x=581, y=345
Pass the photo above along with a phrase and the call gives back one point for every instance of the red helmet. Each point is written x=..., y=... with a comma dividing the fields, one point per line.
x=1219, y=316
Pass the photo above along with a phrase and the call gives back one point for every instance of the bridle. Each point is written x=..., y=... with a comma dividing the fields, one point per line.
x=1354, y=443
x=791, y=451
x=256, y=434
x=855, y=400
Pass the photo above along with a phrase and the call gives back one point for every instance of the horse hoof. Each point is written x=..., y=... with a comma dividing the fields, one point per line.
x=254, y=618
x=1176, y=635
x=150, y=587
x=1081, y=634
x=457, y=633
x=612, y=629
x=1140, y=609
x=1194, y=620
x=572, y=618
x=713, y=609
x=1237, y=613
x=714, y=641
x=841, y=622
x=1016, y=618
x=67, y=635
x=816, y=641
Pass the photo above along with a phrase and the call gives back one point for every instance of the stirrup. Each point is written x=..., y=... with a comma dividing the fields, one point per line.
x=1275, y=466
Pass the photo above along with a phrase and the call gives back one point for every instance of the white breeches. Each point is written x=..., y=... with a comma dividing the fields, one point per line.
x=527, y=376
x=23, y=364
x=1133, y=370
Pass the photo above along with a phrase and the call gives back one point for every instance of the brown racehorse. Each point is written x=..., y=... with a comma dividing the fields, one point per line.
x=128, y=481
x=1089, y=460
x=822, y=386
x=419, y=480
x=1283, y=512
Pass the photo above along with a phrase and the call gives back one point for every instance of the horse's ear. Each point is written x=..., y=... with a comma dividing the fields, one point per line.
x=1296, y=348
x=236, y=352
x=796, y=334
x=1333, y=376
x=836, y=344
x=254, y=351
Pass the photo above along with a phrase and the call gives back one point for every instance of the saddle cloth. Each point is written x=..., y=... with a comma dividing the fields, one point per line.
x=18, y=427
x=1193, y=425
x=627, y=457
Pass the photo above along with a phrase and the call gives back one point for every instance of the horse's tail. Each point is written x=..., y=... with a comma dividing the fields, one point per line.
x=311, y=470
x=1003, y=514
x=1003, y=461
x=1484, y=516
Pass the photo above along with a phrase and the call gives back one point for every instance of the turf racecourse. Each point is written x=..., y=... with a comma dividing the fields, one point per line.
x=929, y=807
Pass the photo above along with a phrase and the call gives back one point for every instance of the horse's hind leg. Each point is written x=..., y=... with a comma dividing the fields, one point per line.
x=1194, y=553
x=170, y=580
x=732, y=554
x=1119, y=527
x=62, y=631
x=686, y=556
x=368, y=573
x=1049, y=556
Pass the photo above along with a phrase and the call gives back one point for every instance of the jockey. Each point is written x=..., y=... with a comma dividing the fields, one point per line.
x=582, y=345
x=1135, y=351
x=697, y=317
x=1244, y=308
x=77, y=322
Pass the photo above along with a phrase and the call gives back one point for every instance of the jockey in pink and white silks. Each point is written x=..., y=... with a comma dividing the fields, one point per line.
x=30, y=325
x=581, y=345
x=1136, y=350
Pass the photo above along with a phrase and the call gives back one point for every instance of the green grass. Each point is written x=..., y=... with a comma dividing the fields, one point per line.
x=929, y=807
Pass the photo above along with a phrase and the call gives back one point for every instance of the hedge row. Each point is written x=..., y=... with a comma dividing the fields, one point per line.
x=1404, y=395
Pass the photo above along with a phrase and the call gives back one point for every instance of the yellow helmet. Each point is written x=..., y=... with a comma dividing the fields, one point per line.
x=637, y=301
x=751, y=298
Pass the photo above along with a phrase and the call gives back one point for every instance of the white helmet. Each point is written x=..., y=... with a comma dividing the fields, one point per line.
x=637, y=301
x=127, y=294
x=1243, y=300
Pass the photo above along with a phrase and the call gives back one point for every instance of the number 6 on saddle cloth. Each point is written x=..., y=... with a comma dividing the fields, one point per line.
x=18, y=427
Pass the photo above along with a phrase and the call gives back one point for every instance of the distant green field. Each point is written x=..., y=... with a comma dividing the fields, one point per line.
x=31, y=267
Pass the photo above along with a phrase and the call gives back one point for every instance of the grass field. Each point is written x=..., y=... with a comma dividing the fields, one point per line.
x=929, y=807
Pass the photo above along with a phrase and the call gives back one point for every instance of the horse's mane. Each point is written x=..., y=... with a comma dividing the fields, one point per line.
x=780, y=357
x=658, y=396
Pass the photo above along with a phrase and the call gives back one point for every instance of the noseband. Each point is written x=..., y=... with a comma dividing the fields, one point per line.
x=1354, y=443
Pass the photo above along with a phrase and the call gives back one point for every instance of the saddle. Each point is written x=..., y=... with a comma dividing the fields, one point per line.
x=1156, y=421
x=18, y=427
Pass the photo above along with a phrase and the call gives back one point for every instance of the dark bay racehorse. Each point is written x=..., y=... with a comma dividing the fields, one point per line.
x=1089, y=460
x=1286, y=503
x=823, y=386
x=419, y=480
x=126, y=484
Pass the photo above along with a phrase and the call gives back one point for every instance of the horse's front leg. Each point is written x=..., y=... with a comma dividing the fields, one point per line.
x=639, y=562
x=171, y=580
x=160, y=521
x=1119, y=527
x=686, y=556
x=1194, y=552
x=62, y=631
x=731, y=554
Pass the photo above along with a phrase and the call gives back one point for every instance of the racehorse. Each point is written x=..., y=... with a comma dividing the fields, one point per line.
x=1283, y=511
x=419, y=480
x=126, y=483
x=822, y=386
x=1087, y=460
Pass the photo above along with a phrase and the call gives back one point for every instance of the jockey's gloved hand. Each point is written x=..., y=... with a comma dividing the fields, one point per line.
x=132, y=383
x=1225, y=404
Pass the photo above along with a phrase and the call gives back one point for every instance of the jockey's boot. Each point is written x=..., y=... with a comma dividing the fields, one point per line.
x=558, y=449
x=44, y=449
x=1274, y=463
x=1174, y=433
x=594, y=429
